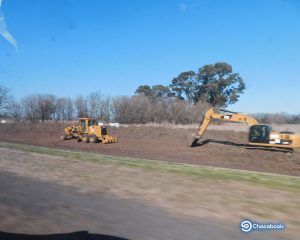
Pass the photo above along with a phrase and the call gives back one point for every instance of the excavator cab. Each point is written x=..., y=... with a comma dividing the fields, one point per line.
x=259, y=134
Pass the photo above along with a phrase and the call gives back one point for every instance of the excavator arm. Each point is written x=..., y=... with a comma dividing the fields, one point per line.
x=232, y=116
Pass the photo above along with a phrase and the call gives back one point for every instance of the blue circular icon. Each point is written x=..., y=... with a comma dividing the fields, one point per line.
x=246, y=226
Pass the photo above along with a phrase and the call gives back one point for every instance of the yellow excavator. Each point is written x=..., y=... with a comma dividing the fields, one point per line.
x=260, y=136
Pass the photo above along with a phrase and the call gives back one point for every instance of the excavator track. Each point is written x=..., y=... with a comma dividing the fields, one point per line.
x=274, y=149
x=198, y=143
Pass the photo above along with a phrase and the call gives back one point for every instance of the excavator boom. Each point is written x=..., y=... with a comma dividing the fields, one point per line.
x=233, y=117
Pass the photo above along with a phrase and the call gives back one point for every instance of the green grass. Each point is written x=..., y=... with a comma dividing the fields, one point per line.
x=200, y=172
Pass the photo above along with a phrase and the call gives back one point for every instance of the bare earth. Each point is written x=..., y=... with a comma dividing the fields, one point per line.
x=163, y=143
x=47, y=194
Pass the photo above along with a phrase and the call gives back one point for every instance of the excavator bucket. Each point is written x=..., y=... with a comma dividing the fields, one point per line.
x=195, y=143
x=198, y=141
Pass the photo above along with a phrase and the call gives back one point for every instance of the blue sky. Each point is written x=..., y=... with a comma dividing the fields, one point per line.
x=71, y=47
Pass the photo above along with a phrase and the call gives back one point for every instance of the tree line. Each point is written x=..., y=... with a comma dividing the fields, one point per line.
x=183, y=101
x=123, y=109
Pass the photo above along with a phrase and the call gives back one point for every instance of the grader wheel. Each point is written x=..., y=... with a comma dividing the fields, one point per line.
x=85, y=138
x=63, y=137
x=94, y=139
x=66, y=137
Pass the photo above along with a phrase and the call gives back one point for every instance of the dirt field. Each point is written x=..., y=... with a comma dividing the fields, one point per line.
x=162, y=143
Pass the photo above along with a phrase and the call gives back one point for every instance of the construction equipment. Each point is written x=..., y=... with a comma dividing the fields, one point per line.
x=260, y=136
x=88, y=130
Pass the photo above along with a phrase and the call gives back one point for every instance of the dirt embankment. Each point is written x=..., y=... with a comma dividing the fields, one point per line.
x=161, y=143
x=50, y=194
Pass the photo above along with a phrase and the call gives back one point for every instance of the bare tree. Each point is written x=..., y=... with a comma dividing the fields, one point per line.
x=105, y=109
x=60, y=109
x=31, y=108
x=81, y=106
x=39, y=107
x=46, y=106
x=143, y=109
x=94, y=101
x=134, y=109
x=64, y=109
x=177, y=111
x=120, y=109
x=140, y=109
x=16, y=111
x=69, y=109
x=279, y=118
x=5, y=98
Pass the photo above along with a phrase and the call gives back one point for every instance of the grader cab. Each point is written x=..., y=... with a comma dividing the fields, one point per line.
x=88, y=130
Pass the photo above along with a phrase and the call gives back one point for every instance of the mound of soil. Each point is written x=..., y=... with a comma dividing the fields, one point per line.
x=161, y=143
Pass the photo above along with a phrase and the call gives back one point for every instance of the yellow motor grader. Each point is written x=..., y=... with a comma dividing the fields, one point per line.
x=260, y=136
x=87, y=131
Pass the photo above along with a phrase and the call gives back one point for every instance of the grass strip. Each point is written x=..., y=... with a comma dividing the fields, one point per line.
x=277, y=181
